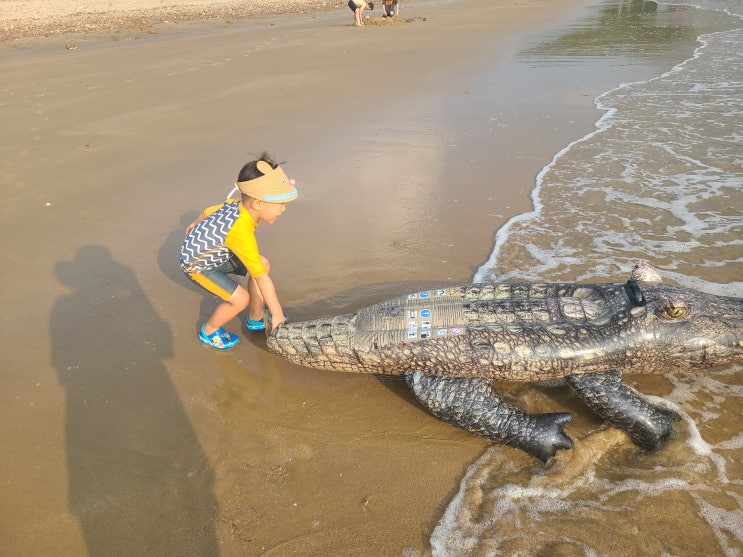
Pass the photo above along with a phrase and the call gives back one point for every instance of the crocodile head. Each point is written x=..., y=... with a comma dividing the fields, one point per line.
x=677, y=329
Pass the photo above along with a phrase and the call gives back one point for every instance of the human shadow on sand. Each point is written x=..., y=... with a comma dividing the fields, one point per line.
x=139, y=482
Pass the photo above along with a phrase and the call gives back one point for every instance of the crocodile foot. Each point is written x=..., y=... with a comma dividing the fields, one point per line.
x=546, y=436
x=474, y=405
x=619, y=405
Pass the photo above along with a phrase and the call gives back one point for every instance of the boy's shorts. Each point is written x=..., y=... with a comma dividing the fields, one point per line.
x=216, y=280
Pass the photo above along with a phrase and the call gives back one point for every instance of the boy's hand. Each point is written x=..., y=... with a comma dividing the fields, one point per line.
x=273, y=323
x=275, y=326
x=190, y=227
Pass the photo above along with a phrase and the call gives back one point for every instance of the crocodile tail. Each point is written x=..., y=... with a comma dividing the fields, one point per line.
x=320, y=343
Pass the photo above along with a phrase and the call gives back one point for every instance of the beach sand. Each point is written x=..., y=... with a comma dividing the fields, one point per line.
x=123, y=435
x=21, y=19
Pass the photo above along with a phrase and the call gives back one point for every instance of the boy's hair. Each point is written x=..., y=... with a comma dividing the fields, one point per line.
x=371, y=5
x=250, y=170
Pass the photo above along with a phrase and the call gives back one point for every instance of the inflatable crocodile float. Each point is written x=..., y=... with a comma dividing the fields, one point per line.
x=453, y=343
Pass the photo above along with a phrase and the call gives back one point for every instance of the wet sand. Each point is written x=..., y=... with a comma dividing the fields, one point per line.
x=123, y=436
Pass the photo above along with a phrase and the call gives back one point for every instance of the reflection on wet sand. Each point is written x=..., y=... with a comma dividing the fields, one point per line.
x=139, y=482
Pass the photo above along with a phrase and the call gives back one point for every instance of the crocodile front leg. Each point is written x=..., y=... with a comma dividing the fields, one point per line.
x=474, y=405
x=621, y=406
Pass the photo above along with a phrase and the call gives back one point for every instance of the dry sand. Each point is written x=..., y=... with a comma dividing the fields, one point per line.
x=123, y=436
x=44, y=18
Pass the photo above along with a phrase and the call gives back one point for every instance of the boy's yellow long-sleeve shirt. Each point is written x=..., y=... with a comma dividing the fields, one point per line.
x=227, y=230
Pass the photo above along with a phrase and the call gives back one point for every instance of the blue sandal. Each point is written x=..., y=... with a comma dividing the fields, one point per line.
x=257, y=325
x=219, y=339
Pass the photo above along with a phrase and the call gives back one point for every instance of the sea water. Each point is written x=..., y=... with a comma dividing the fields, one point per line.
x=660, y=178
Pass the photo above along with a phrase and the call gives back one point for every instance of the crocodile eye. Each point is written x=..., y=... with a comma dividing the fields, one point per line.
x=673, y=310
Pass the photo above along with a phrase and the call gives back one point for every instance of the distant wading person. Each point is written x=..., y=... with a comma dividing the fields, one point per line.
x=358, y=7
x=222, y=242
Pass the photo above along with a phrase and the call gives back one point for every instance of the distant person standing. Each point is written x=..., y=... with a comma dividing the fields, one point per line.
x=390, y=8
x=357, y=7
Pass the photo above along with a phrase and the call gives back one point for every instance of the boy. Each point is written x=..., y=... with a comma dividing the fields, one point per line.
x=222, y=241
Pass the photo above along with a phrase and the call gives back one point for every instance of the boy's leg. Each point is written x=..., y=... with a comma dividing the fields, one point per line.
x=355, y=11
x=227, y=310
x=256, y=304
x=234, y=297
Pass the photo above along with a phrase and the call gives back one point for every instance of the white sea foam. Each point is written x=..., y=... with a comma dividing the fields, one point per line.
x=659, y=178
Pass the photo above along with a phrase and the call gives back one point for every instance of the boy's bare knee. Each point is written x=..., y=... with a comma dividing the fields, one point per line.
x=240, y=298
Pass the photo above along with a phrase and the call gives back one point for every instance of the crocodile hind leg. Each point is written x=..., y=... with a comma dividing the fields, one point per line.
x=474, y=405
x=619, y=405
